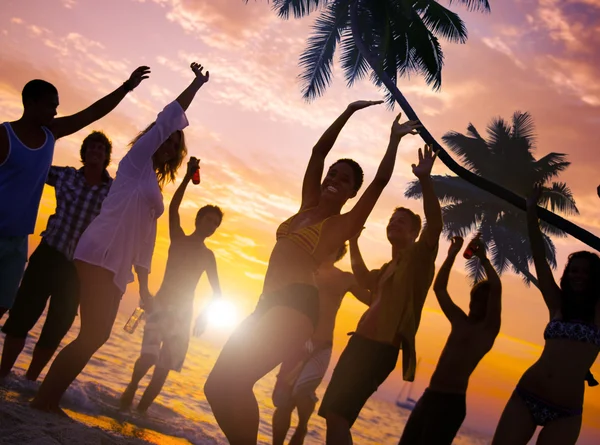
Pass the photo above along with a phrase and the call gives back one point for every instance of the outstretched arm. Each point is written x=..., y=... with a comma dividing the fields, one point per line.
x=186, y=97
x=64, y=126
x=452, y=312
x=431, y=204
x=175, y=229
x=548, y=287
x=311, y=186
x=349, y=224
x=494, y=304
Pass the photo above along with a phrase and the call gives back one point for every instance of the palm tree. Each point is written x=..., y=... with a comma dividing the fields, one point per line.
x=506, y=157
x=389, y=39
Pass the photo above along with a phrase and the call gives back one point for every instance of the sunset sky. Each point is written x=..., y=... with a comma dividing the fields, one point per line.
x=254, y=133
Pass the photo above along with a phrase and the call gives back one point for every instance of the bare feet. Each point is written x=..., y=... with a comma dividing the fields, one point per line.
x=47, y=408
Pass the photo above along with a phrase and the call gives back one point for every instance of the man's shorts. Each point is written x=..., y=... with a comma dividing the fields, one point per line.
x=302, y=374
x=167, y=335
x=13, y=257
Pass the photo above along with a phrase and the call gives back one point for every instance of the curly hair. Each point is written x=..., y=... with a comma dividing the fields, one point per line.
x=357, y=171
x=166, y=172
x=96, y=136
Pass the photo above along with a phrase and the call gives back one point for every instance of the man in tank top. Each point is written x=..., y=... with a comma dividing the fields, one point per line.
x=26, y=150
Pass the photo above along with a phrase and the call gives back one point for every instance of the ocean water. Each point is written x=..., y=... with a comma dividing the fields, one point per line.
x=181, y=410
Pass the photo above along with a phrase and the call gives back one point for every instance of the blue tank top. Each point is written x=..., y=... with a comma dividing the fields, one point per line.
x=22, y=177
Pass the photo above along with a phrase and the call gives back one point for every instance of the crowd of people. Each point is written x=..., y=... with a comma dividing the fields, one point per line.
x=104, y=228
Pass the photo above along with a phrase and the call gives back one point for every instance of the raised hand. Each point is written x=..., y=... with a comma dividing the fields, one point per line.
x=197, y=69
x=360, y=104
x=456, y=244
x=136, y=77
x=426, y=160
x=192, y=165
x=402, y=129
x=479, y=247
x=534, y=196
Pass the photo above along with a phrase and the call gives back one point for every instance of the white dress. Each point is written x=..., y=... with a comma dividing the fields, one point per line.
x=124, y=232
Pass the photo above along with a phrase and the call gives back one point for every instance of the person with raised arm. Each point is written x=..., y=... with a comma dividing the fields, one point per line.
x=26, y=151
x=167, y=330
x=121, y=237
x=399, y=289
x=300, y=375
x=441, y=410
x=51, y=273
x=550, y=393
x=287, y=312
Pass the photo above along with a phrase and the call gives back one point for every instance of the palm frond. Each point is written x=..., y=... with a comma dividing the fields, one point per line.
x=444, y=23
x=353, y=63
x=550, y=166
x=300, y=8
x=499, y=132
x=523, y=126
x=425, y=57
x=474, y=152
x=473, y=5
x=460, y=219
x=560, y=198
x=317, y=58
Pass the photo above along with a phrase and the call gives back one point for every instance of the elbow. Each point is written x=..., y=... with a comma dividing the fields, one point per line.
x=381, y=180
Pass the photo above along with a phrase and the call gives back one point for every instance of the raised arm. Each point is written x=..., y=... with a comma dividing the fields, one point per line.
x=186, y=97
x=64, y=126
x=311, y=186
x=548, y=287
x=168, y=121
x=431, y=204
x=175, y=229
x=350, y=223
x=452, y=312
x=494, y=304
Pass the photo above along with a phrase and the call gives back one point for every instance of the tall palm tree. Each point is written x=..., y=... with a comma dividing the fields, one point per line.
x=506, y=157
x=389, y=39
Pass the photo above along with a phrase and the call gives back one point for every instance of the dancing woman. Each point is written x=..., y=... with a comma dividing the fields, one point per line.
x=550, y=393
x=287, y=311
x=122, y=236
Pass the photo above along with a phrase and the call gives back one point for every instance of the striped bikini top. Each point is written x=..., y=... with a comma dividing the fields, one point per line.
x=306, y=238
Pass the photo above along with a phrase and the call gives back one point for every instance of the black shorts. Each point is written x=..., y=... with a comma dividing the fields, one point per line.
x=302, y=297
x=362, y=367
x=49, y=275
x=435, y=419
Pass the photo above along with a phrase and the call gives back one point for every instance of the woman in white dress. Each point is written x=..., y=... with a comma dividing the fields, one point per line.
x=122, y=236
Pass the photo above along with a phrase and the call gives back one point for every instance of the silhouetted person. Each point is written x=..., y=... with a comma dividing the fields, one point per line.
x=26, y=150
x=51, y=271
x=550, y=393
x=167, y=330
x=121, y=237
x=441, y=410
x=300, y=376
x=399, y=290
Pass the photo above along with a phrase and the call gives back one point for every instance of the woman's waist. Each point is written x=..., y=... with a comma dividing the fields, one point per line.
x=556, y=384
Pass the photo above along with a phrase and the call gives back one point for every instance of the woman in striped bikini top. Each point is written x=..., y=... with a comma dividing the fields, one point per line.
x=287, y=311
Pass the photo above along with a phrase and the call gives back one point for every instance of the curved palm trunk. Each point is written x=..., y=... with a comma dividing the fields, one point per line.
x=478, y=181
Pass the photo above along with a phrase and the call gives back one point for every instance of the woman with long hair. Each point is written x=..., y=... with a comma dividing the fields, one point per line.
x=287, y=311
x=122, y=236
x=550, y=393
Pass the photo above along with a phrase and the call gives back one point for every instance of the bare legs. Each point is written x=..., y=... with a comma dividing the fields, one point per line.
x=255, y=348
x=99, y=300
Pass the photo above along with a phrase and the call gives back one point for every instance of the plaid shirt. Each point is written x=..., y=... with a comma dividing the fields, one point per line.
x=77, y=204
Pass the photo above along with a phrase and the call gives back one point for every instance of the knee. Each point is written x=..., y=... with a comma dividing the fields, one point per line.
x=92, y=341
x=221, y=386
